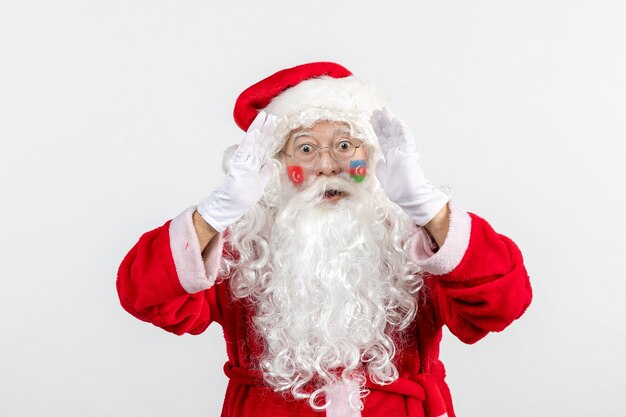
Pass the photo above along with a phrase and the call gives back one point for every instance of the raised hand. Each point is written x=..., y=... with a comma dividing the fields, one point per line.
x=248, y=174
x=400, y=173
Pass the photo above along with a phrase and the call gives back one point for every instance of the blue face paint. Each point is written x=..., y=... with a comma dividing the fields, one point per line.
x=358, y=169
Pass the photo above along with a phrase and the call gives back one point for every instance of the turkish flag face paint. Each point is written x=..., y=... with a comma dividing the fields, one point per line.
x=296, y=174
x=358, y=169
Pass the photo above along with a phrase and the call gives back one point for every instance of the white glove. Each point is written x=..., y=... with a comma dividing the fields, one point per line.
x=247, y=176
x=400, y=173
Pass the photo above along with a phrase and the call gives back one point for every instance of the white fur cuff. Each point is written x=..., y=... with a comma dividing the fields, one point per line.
x=453, y=249
x=194, y=273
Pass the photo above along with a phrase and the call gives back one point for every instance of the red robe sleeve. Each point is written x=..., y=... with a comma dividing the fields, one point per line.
x=479, y=283
x=165, y=280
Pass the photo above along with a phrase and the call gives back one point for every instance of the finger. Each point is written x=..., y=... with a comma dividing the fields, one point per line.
x=375, y=118
x=388, y=114
x=405, y=141
x=246, y=147
x=402, y=137
x=266, y=137
x=269, y=125
x=242, y=153
x=386, y=144
x=408, y=144
x=244, y=150
x=227, y=158
x=257, y=122
x=267, y=132
x=378, y=124
x=375, y=122
x=388, y=123
x=265, y=174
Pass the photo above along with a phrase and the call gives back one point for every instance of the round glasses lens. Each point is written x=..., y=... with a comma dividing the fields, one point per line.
x=341, y=150
x=306, y=153
x=344, y=149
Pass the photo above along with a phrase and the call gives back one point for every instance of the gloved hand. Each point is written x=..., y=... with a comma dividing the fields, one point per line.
x=247, y=176
x=400, y=173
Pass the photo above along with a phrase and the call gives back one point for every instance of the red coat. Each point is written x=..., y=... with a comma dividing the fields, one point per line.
x=476, y=284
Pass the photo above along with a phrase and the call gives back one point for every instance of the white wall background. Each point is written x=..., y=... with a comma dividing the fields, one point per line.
x=113, y=117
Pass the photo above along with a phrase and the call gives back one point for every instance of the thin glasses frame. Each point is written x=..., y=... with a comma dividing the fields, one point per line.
x=318, y=152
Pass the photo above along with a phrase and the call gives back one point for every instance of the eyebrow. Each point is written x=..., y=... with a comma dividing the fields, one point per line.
x=341, y=130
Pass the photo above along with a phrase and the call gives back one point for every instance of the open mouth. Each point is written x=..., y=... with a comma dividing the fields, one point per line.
x=334, y=195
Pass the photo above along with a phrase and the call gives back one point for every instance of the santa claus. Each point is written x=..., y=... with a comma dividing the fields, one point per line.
x=328, y=258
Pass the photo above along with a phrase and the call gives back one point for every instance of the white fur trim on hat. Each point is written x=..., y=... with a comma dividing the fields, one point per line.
x=345, y=99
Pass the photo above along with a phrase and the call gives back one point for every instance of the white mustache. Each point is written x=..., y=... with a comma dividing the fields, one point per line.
x=316, y=189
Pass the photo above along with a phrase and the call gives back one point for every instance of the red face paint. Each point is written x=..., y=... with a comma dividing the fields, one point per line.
x=296, y=174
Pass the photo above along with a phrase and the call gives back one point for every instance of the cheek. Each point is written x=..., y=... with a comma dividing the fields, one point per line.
x=358, y=169
x=296, y=174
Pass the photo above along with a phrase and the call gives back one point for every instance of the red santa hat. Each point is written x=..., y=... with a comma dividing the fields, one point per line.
x=304, y=94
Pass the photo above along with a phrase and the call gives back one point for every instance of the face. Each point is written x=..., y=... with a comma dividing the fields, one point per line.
x=325, y=150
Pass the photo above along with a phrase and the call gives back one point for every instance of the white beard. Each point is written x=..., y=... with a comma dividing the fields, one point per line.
x=330, y=282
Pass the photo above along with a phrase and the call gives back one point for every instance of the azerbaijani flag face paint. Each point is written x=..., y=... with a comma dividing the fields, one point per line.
x=296, y=174
x=357, y=169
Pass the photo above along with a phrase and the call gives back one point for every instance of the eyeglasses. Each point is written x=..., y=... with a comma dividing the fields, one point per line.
x=340, y=150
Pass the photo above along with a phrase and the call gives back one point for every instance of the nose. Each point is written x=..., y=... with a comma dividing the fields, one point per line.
x=326, y=165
